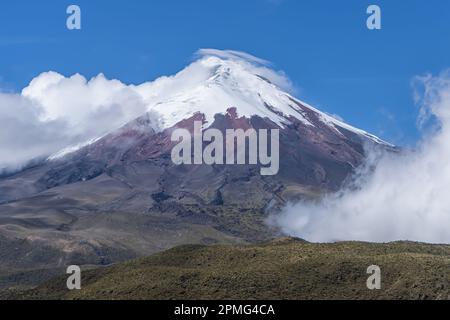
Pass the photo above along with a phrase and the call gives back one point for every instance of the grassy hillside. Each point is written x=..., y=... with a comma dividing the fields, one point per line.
x=280, y=269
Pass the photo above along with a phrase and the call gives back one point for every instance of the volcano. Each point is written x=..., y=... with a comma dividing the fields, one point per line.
x=120, y=195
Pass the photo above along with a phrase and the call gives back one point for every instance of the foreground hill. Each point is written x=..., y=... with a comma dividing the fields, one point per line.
x=280, y=269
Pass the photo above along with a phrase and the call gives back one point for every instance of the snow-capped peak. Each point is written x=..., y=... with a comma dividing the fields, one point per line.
x=223, y=79
x=226, y=84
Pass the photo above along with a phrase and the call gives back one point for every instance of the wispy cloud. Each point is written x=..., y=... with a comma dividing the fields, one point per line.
x=256, y=65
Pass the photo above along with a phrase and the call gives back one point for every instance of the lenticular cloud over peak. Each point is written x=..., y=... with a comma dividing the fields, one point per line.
x=231, y=55
x=394, y=196
x=249, y=63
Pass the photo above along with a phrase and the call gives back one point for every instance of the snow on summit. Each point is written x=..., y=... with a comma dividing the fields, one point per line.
x=219, y=80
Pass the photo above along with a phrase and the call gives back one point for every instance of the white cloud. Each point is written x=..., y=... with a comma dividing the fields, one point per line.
x=89, y=107
x=404, y=197
x=54, y=112
x=23, y=136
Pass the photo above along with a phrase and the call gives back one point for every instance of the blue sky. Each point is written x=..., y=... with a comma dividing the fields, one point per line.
x=336, y=63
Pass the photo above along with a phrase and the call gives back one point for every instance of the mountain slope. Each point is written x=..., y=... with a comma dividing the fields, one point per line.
x=120, y=196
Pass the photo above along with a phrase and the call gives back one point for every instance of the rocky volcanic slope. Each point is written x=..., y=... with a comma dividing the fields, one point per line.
x=280, y=269
x=120, y=196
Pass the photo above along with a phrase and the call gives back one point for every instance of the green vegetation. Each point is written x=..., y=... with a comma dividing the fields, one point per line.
x=281, y=269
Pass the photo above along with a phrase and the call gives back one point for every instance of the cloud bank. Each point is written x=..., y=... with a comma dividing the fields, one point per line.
x=393, y=197
x=54, y=112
